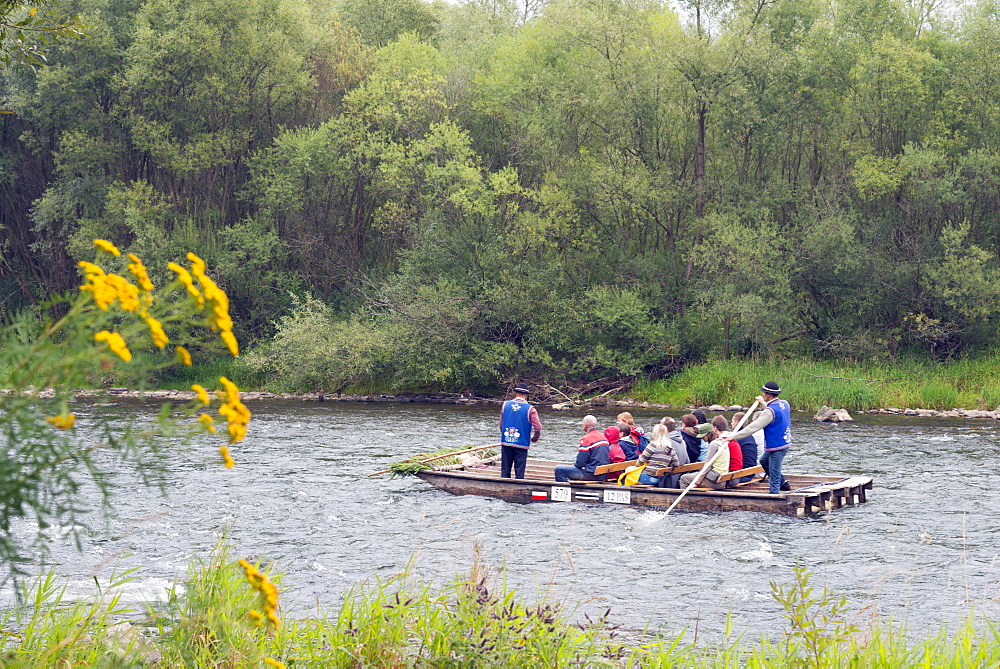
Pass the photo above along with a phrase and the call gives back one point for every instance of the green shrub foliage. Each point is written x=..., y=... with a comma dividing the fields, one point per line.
x=478, y=191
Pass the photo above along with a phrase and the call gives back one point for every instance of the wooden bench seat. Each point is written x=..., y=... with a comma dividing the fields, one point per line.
x=679, y=469
x=740, y=473
x=695, y=466
x=614, y=467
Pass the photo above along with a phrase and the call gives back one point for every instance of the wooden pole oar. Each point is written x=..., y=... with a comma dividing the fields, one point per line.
x=446, y=455
x=704, y=467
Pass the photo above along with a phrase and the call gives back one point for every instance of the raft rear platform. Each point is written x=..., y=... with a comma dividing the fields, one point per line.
x=810, y=494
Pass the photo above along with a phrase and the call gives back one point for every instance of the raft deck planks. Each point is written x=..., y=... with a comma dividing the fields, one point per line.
x=810, y=494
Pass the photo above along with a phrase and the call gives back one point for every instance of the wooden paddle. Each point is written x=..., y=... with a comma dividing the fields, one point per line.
x=446, y=455
x=708, y=463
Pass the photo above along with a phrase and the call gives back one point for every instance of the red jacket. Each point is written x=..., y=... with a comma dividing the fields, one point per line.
x=735, y=456
x=613, y=435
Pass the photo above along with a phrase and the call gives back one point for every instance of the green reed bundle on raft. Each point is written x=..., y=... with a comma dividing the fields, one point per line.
x=411, y=466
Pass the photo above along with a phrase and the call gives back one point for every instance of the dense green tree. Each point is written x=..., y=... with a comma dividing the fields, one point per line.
x=580, y=188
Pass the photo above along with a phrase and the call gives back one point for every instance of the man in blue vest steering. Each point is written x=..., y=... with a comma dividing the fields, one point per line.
x=517, y=419
x=775, y=420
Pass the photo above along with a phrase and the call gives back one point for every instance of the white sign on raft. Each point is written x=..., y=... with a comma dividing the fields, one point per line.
x=618, y=496
x=560, y=494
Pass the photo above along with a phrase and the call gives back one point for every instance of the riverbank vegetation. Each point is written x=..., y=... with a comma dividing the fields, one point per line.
x=473, y=621
x=971, y=383
x=452, y=195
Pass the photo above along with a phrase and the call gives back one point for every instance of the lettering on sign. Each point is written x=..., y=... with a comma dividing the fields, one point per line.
x=560, y=494
x=618, y=496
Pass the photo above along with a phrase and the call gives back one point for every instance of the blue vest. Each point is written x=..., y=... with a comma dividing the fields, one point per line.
x=778, y=434
x=515, y=428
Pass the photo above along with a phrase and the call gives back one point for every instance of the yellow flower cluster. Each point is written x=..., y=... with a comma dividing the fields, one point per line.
x=259, y=582
x=107, y=288
x=160, y=337
x=227, y=459
x=139, y=272
x=185, y=277
x=274, y=663
x=105, y=245
x=207, y=422
x=62, y=422
x=115, y=343
x=202, y=394
x=218, y=301
x=211, y=295
x=234, y=411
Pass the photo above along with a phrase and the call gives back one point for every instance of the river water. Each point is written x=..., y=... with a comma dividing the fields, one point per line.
x=922, y=551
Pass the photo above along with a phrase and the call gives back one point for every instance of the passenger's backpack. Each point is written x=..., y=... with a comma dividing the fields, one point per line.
x=643, y=442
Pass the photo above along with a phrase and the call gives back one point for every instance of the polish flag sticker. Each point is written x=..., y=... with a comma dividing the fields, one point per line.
x=539, y=494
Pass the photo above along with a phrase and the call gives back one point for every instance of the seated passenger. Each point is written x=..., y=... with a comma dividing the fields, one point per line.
x=626, y=417
x=660, y=453
x=735, y=454
x=748, y=447
x=593, y=453
x=613, y=435
x=629, y=442
x=703, y=431
x=689, y=433
x=720, y=466
x=678, y=441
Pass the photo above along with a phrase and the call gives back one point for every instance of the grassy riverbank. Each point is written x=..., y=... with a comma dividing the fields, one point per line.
x=473, y=621
x=972, y=383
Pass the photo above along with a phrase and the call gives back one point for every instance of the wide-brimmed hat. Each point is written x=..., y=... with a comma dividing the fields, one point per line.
x=771, y=388
x=521, y=388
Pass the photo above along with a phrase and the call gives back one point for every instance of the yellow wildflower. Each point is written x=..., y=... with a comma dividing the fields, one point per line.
x=230, y=339
x=156, y=332
x=97, y=283
x=185, y=277
x=197, y=265
x=259, y=582
x=90, y=268
x=126, y=292
x=256, y=617
x=107, y=288
x=226, y=458
x=216, y=296
x=274, y=663
x=139, y=272
x=219, y=301
x=183, y=354
x=62, y=422
x=202, y=394
x=105, y=245
x=207, y=422
x=115, y=343
x=231, y=392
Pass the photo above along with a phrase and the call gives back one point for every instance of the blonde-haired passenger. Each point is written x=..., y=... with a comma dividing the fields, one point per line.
x=658, y=454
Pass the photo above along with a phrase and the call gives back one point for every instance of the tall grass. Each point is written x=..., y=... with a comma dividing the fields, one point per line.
x=471, y=622
x=810, y=384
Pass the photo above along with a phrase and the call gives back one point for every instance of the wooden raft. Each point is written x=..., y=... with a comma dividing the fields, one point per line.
x=810, y=494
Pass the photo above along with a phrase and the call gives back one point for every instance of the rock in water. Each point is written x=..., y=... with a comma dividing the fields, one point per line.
x=828, y=415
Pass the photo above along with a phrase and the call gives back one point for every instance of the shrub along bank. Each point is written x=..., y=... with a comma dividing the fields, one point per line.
x=471, y=622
